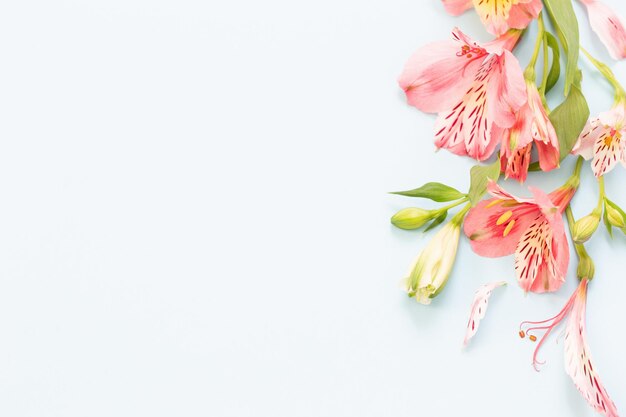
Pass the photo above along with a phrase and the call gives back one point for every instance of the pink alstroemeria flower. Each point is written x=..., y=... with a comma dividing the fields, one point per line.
x=577, y=356
x=531, y=125
x=608, y=26
x=530, y=228
x=476, y=89
x=604, y=140
x=498, y=16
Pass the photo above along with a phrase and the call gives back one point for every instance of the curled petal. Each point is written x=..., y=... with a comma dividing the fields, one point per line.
x=479, y=308
x=608, y=26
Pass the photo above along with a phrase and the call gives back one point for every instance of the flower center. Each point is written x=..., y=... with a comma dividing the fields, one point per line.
x=613, y=136
x=470, y=52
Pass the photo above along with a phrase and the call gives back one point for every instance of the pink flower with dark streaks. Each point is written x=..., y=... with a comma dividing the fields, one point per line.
x=604, y=140
x=476, y=89
x=530, y=228
x=577, y=356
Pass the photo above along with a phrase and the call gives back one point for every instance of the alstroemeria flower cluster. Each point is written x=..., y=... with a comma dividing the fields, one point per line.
x=488, y=108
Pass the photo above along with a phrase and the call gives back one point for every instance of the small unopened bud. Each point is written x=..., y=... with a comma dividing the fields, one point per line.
x=614, y=217
x=412, y=218
x=586, y=268
x=586, y=227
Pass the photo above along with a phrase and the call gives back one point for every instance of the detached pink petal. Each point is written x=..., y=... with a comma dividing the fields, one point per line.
x=479, y=309
x=578, y=358
x=608, y=26
x=457, y=7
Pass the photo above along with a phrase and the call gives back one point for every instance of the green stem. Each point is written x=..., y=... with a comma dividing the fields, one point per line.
x=601, y=197
x=458, y=218
x=604, y=69
x=546, y=70
x=586, y=268
x=453, y=205
x=529, y=74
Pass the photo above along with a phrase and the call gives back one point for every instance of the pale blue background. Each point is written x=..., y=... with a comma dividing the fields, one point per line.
x=193, y=220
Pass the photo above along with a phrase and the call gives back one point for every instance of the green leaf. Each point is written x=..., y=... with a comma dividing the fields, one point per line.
x=555, y=69
x=479, y=178
x=438, y=220
x=435, y=191
x=569, y=120
x=564, y=19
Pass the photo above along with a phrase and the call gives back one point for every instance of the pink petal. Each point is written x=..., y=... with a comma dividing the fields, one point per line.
x=608, y=151
x=495, y=226
x=549, y=152
x=540, y=258
x=506, y=92
x=578, y=358
x=437, y=75
x=587, y=138
x=608, y=26
x=516, y=163
x=522, y=14
x=457, y=7
x=479, y=308
x=494, y=15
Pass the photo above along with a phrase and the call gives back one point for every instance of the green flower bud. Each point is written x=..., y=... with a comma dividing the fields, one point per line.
x=586, y=227
x=433, y=266
x=412, y=218
x=614, y=217
x=586, y=268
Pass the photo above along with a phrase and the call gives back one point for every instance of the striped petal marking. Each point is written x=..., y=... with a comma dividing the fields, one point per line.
x=608, y=150
x=479, y=308
x=466, y=130
x=495, y=13
x=534, y=258
x=578, y=359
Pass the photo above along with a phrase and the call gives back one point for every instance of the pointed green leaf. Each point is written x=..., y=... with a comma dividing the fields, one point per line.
x=555, y=69
x=479, y=178
x=435, y=191
x=564, y=19
x=569, y=120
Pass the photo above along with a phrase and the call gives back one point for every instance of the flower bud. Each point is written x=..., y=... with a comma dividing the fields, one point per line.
x=412, y=218
x=614, y=217
x=586, y=227
x=586, y=268
x=433, y=266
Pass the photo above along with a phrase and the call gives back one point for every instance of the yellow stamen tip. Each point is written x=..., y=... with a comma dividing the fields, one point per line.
x=522, y=334
x=533, y=338
x=506, y=216
x=508, y=228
